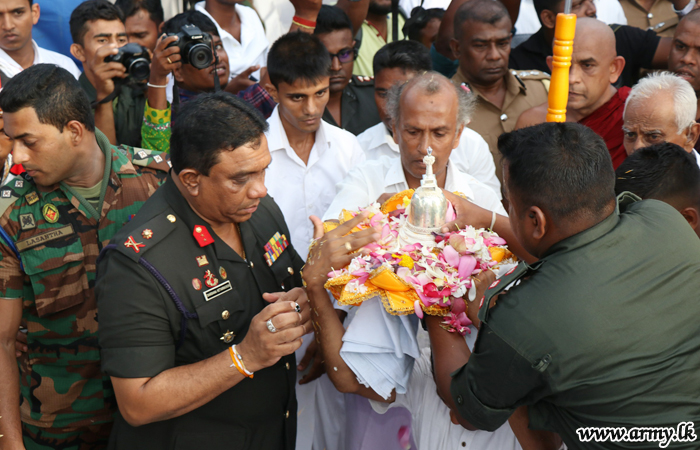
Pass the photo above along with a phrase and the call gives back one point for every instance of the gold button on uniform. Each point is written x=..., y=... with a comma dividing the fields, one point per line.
x=286, y=415
x=171, y=218
x=290, y=270
x=225, y=315
x=286, y=365
x=252, y=265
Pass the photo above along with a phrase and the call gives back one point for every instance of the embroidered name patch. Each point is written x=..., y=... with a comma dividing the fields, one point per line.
x=214, y=292
x=43, y=238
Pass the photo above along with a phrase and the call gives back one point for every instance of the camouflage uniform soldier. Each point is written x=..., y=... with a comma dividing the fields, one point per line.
x=78, y=191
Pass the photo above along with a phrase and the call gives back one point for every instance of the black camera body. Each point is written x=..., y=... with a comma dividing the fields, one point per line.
x=136, y=59
x=195, y=47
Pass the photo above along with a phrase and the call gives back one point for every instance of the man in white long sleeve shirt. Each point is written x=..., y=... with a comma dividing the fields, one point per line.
x=309, y=157
x=396, y=63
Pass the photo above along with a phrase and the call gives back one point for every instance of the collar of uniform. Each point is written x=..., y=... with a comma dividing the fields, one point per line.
x=597, y=231
x=185, y=213
x=513, y=86
x=277, y=138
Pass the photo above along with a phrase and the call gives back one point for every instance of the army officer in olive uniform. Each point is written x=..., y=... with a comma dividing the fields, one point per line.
x=199, y=315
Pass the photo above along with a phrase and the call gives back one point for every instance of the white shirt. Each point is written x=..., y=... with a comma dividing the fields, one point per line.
x=408, y=5
x=431, y=426
x=301, y=189
x=41, y=56
x=277, y=16
x=368, y=181
x=608, y=11
x=697, y=157
x=252, y=50
x=472, y=155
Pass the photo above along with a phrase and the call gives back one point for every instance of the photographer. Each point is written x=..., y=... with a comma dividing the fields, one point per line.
x=97, y=29
x=190, y=80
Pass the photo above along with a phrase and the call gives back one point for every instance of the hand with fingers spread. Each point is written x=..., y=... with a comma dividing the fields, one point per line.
x=262, y=347
x=334, y=249
x=165, y=60
x=241, y=81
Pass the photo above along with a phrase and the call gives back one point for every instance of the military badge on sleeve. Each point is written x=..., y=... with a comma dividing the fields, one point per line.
x=26, y=221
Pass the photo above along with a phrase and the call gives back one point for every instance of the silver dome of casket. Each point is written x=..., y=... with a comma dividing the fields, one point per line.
x=426, y=212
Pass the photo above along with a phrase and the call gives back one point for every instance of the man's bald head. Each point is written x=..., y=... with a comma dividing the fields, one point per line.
x=594, y=67
x=596, y=36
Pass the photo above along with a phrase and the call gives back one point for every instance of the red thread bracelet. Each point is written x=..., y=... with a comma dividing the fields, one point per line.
x=304, y=22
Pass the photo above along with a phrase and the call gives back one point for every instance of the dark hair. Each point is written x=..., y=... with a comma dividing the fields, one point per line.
x=661, y=171
x=53, y=93
x=542, y=5
x=297, y=56
x=152, y=7
x=480, y=11
x=90, y=11
x=564, y=168
x=191, y=17
x=209, y=124
x=332, y=18
x=419, y=19
x=410, y=56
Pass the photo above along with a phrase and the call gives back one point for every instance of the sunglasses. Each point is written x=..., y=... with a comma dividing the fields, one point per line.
x=344, y=55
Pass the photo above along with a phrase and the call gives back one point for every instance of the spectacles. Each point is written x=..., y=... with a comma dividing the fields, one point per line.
x=344, y=55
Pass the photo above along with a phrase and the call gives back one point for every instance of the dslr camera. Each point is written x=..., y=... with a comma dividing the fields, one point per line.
x=195, y=47
x=136, y=59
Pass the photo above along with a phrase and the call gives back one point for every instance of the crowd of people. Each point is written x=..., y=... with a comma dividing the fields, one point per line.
x=170, y=170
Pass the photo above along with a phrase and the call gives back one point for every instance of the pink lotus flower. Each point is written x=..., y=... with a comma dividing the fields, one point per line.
x=466, y=266
x=451, y=256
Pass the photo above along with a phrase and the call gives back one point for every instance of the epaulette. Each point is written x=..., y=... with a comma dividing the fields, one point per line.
x=362, y=81
x=147, y=236
x=151, y=159
x=530, y=74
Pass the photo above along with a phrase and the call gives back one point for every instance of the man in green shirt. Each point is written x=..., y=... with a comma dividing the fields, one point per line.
x=601, y=331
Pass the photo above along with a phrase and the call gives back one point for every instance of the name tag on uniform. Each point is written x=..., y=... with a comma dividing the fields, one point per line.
x=43, y=238
x=216, y=291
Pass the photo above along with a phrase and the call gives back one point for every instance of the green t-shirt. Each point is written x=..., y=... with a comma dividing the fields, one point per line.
x=92, y=194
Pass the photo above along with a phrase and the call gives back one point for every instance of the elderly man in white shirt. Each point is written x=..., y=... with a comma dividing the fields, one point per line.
x=18, y=50
x=248, y=47
x=396, y=63
x=661, y=108
x=309, y=157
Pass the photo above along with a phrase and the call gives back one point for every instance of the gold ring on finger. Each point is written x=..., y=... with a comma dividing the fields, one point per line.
x=168, y=58
x=348, y=247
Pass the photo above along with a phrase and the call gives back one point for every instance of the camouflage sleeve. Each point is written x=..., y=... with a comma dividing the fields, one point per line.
x=11, y=274
x=155, y=129
x=135, y=329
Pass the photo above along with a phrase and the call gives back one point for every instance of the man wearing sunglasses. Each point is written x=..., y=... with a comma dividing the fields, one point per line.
x=351, y=103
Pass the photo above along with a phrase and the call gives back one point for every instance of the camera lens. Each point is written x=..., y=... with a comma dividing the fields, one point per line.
x=200, y=56
x=140, y=69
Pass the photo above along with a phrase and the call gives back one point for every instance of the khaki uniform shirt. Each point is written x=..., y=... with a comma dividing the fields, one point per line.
x=601, y=332
x=662, y=18
x=525, y=89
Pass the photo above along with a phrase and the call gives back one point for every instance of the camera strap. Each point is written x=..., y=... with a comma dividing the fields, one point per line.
x=117, y=90
x=217, y=83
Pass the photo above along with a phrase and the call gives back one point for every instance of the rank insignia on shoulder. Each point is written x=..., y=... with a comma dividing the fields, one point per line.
x=202, y=236
x=26, y=221
x=196, y=284
x=202, y=260
x=142, y=155
x=147, y=234
x=32, y=198
x=210, y=279
x=50, y=213
x=131, y=243
x=274, y=248
x=5, y=192
x=158, y=158
x=19, y=183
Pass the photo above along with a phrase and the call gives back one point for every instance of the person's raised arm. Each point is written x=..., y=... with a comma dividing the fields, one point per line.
x=356, y=10
x=146, y=400
x=660, y=60
x=165, y=60
x=10, y=424
x=330, y=251
x=307, y=11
